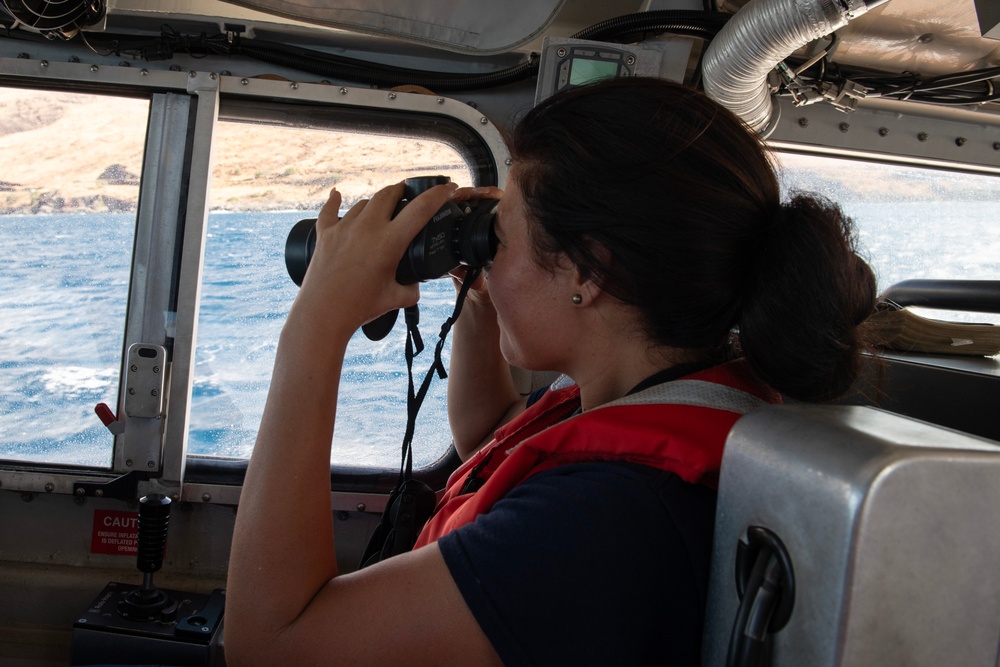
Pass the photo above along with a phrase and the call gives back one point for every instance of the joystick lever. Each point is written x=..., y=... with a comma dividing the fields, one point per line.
x=147, y=602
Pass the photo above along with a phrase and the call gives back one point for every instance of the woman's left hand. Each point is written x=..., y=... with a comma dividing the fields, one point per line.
x=352, y=275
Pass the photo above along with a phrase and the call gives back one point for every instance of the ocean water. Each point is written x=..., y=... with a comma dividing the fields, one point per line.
x=63, y=316
x=246, y=295
x=63, y=310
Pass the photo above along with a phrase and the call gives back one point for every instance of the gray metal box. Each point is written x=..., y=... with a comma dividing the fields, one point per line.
x=892, y=526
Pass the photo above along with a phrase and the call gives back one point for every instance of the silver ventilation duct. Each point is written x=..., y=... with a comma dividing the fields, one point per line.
x=756, y=39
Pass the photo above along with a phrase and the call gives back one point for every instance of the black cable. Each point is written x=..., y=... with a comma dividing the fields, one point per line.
x=744, y=646
x=607, y=30
x=683, y=30
x=336, y=67
x=954, y=89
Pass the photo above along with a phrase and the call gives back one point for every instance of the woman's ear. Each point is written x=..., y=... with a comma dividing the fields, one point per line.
x=587, y=288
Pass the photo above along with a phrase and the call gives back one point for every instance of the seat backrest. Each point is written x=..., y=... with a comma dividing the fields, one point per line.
x=892, y=531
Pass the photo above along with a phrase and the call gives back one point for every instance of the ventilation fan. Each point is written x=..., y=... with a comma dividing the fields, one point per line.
x=62, y=17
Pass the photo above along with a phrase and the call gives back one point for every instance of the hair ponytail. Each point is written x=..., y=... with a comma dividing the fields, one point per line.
x=809, y=292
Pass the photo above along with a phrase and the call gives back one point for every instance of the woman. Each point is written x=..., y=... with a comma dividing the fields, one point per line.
x=640, y=230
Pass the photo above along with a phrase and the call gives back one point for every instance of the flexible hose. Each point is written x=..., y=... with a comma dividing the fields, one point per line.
x=757, y=38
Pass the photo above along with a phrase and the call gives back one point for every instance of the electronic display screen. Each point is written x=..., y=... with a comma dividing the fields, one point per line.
x=586, y=71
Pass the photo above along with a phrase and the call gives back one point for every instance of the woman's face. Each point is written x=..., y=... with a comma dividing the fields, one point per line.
x=532, y=302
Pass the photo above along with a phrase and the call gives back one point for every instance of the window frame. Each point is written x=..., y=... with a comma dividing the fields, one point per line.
x=169, y=251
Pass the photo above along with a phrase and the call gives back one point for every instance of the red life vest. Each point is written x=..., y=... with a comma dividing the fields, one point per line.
x=678, y=426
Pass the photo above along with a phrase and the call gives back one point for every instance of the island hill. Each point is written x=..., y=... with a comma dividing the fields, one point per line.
x=72, y=153
x=76, y=153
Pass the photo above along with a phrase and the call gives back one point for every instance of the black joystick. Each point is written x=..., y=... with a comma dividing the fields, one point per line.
x=147, y=602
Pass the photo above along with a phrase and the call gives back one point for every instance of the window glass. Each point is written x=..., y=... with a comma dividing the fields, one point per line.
x=913, y=223
x=68, y=192
x=259, y=191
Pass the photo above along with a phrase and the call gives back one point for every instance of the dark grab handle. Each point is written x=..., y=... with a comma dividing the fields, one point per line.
x=977, y=296
x=154, y=519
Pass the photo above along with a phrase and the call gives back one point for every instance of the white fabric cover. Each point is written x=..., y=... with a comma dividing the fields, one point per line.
x=476, y=26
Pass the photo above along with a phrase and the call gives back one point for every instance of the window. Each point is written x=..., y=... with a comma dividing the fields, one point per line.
x=259, y=191
x=912, y=222
x=67, y=224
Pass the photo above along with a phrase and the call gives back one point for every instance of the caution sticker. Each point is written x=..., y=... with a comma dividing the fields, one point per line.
x=115, y=532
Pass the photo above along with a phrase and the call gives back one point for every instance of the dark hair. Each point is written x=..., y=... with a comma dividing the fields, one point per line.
x=669, y=202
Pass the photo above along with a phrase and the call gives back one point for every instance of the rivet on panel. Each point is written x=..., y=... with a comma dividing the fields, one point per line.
x=343, y=91
x=922, y=136
x=44, y=63
x=845, y=127
x=392, y=96
x=960, y=141
x=803, y=122
x=245, y=82
x=293, y=86
x=883, y=131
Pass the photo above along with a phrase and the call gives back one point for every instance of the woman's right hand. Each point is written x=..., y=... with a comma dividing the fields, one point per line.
x=481, y=390
x=478, y=293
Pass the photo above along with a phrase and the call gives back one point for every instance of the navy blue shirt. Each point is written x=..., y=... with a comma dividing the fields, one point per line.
x=590, y=564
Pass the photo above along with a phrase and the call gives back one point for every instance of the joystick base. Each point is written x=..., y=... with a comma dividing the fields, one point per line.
x=183, y=631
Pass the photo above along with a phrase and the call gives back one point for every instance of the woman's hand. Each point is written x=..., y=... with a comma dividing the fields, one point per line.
x=481, y=390
x=352, y=275
x=477, y=292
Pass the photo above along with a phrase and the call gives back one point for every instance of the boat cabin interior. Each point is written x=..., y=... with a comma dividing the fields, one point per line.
x=158, y=156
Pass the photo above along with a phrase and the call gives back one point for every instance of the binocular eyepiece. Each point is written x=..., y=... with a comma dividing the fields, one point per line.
x=460, y=233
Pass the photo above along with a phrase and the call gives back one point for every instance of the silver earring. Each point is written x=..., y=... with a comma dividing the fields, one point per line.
x=577, y=299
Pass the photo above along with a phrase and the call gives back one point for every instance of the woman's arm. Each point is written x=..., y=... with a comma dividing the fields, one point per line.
x=481, y=391
x=285, y=600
